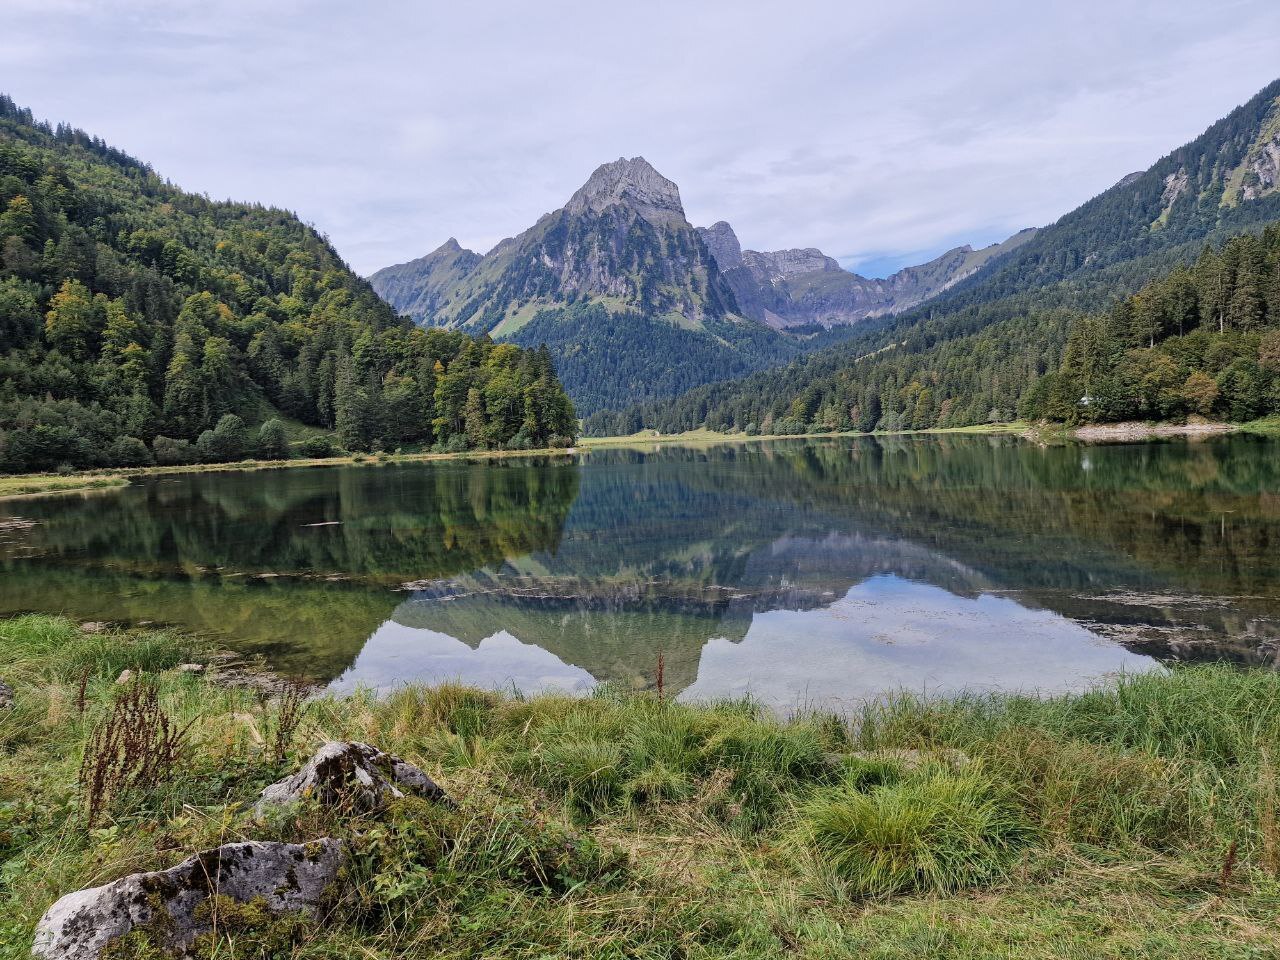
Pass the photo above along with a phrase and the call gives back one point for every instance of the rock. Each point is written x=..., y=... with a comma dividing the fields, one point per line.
x=630, y=183
x=287, y=877
x=126, y=676
x=353, y=775
x=1175, y=185
x=190, y=668
x=6, y=696
x=93, y=626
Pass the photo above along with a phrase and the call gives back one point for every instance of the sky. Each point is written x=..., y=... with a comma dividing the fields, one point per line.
x=882, y=133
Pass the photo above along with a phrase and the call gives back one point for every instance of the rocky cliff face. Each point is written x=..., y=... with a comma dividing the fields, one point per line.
x=622, y=240
x=789, y=288
x=632, y=184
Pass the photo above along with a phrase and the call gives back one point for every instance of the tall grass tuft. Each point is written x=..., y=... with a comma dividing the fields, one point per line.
x=935, y=832
x=1268, y=826
x=36, y=649
x=290, y=712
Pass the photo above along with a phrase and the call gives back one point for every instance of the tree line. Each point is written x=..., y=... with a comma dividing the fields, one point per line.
x=139, y=323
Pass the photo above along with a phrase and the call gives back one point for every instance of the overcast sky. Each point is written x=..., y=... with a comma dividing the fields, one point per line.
x=882, y=133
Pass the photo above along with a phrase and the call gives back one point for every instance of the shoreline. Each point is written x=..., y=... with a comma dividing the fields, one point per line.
x=21, y=486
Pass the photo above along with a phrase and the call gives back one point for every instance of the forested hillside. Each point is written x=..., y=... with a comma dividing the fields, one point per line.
x=977, y=354
x=1202, y=340
x=139, y=323
x=613, y=359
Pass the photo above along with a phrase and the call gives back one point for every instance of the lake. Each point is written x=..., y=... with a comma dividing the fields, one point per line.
x=803, y=573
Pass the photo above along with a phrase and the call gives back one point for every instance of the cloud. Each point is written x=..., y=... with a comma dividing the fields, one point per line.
x=880, y=133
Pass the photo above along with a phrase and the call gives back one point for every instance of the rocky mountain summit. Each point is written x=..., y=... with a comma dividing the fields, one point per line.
x=622, y=239
x=629, y=183
x=421, y=287
x=635, y=303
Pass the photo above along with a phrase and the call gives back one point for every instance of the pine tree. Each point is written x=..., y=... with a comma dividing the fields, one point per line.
x=474, y=420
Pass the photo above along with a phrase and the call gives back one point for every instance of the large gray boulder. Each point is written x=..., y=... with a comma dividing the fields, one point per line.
x=353, y=776
x=283, y=877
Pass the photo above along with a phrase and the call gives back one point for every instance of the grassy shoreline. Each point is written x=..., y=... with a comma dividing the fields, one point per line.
x=40, y=484
x=37, y=484
x=1137, y=820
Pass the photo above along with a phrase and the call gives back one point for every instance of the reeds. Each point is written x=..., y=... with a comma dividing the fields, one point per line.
x=290, y=710
x=131, y=749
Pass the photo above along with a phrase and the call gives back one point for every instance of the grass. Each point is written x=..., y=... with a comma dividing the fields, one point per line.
x=33, y=484
x=936, y=832
x=1266, y=425
x=41, y=483
x=1092, y=825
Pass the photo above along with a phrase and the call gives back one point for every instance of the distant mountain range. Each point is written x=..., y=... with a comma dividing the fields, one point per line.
x=621, y=286
x=637, y=305
x=790, y=288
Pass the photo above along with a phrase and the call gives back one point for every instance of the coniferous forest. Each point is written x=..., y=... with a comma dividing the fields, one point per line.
x=1203, y=340
x=141, y=324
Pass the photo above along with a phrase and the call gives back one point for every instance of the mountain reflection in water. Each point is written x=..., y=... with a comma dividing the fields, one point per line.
x=801, y=571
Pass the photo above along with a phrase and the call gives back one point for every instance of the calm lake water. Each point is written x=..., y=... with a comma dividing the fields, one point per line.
x=798, y=572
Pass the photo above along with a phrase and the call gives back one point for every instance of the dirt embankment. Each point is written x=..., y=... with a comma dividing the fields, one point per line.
x=1123, y=432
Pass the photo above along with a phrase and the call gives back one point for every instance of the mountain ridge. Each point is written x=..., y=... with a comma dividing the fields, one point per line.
x=635, y=303
x=804, y=286
x=782, y=289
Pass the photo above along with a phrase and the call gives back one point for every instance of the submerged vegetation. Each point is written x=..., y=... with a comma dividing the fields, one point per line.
x=1137, y=820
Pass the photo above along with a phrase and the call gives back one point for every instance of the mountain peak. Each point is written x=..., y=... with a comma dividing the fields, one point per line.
x=629, y=183
x=723, y=244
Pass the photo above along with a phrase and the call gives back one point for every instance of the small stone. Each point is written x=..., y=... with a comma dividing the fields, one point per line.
x=284, y=877
x=190, y=668
x=126, y=676
x=93, y=626
x=353, y=775
x=6, y=696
